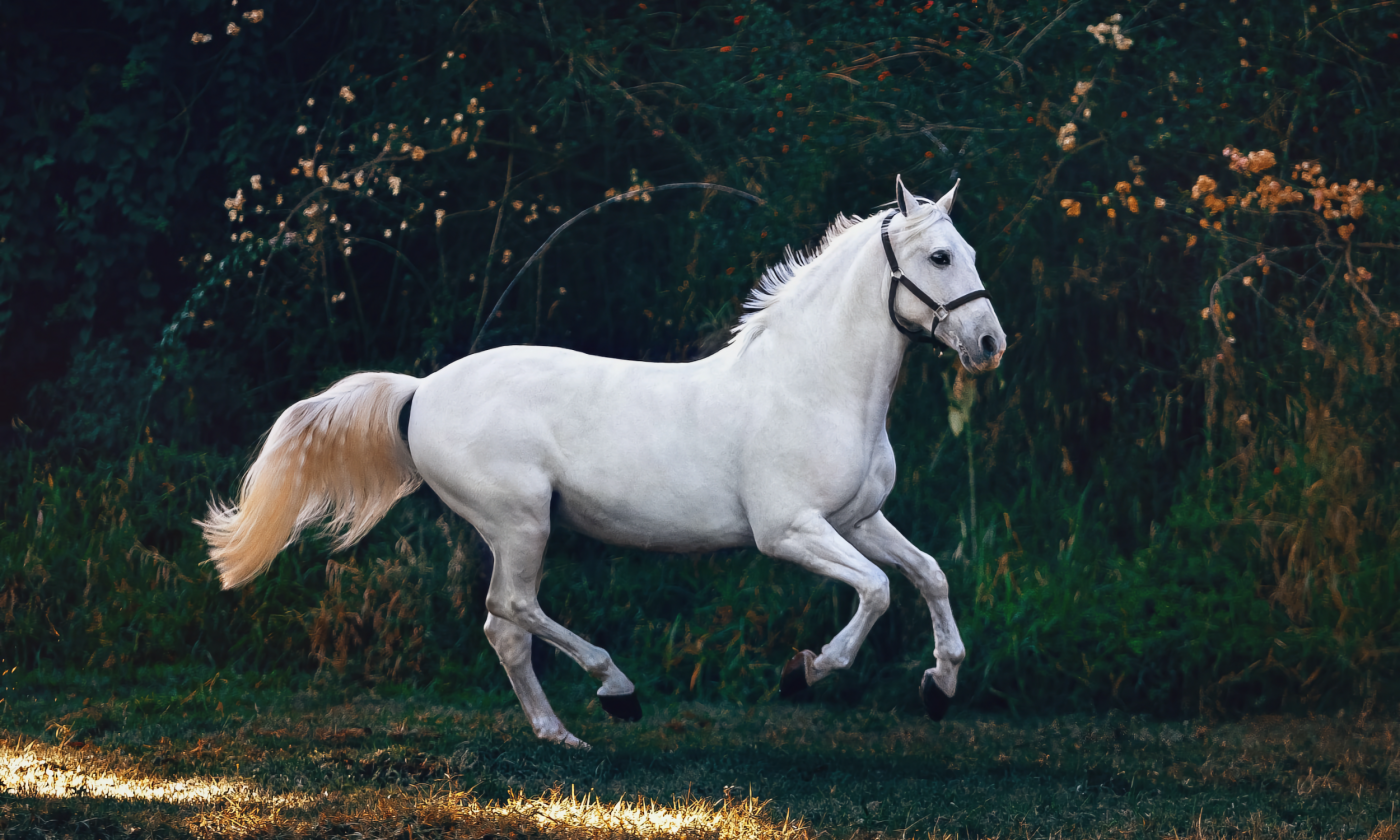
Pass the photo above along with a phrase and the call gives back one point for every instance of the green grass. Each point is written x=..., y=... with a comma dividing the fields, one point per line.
x=218, y=757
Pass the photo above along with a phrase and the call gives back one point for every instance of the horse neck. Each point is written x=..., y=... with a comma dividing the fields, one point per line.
x=832, y=335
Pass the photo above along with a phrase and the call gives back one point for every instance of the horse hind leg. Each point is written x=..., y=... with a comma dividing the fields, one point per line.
x=514, y=596
x=513, y=646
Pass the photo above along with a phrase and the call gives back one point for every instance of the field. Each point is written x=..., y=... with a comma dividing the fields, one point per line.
x=182, y=758
x=1177, y=498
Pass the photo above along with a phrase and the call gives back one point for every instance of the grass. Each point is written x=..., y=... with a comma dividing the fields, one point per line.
x=226, y=759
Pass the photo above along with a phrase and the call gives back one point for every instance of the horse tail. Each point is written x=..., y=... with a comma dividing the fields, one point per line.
x=338, y=454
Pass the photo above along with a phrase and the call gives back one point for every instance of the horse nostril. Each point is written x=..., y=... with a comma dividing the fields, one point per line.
x=989, y=346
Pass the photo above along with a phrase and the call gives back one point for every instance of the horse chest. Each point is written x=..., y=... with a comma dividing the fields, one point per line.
x=868, y=494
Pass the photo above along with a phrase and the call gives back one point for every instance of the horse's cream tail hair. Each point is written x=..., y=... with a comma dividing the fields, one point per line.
x=338, y=455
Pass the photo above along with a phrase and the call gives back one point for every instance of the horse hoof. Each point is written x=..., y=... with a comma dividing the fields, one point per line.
x=936, y=703
x=622, y=706
x=794, y=679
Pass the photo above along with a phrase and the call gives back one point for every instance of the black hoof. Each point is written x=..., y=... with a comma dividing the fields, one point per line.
x=794, y=679
x=622, y=706
x=936, y=703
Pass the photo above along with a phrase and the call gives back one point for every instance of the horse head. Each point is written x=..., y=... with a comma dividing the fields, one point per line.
x=941, y=291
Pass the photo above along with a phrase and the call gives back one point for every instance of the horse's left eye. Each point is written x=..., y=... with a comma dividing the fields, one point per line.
x=941, y=257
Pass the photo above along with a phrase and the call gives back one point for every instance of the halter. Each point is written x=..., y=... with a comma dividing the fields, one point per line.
x=940, y=310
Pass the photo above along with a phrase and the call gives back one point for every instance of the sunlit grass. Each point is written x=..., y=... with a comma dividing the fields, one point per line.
x=347, y=763
x=219, y=805
x=46, y=772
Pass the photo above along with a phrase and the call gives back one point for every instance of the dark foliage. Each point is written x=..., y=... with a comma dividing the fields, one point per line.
x=1177, y=493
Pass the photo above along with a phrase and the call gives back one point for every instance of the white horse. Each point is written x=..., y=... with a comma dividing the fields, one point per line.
x=776, y=441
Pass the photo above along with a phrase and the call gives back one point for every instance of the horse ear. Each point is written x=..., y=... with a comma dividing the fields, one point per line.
x=946, y=202
x=909, y=205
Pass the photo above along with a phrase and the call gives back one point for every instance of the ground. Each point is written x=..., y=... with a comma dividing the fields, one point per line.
x=356, y=763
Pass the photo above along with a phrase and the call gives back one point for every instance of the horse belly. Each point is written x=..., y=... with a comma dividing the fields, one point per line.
x=654, y=515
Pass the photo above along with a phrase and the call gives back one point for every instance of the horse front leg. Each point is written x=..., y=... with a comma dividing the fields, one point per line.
x=810, y=542
x=880, y=541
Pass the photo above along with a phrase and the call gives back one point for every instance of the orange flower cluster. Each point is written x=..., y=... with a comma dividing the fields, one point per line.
x=1272, y=194
x=1124, y=190
x=1071, y=207
x=1252, y=162
x=1348, y=198
x=1204, y=191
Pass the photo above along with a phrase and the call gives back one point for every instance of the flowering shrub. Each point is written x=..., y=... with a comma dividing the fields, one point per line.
x=1183, y=476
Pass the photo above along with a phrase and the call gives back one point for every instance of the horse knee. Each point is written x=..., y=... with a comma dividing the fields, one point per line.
x=937, y=583
x=876, y=594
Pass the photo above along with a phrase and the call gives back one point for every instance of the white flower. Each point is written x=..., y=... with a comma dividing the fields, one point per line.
x=301, y=129
x=255, y=16
x=394, y=183
x=233, y=29
x=347, y=94
x=1067, y=136
x=1103, y=31
x=256, y=180
x=201, y=38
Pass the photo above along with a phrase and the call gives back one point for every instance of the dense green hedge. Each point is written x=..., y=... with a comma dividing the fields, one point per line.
x=1176, y=494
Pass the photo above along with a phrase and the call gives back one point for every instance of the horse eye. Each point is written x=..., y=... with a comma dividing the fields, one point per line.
x=941, y=257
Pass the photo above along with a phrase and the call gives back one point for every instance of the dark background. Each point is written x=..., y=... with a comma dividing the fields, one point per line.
x=1142, y=511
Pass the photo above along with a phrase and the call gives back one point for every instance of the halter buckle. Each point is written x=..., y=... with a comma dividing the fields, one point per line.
x=941, y=313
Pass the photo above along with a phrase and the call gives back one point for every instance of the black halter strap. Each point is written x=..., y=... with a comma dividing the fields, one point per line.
x=897, y=278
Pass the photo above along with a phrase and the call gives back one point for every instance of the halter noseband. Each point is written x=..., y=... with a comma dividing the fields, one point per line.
x=940, y=310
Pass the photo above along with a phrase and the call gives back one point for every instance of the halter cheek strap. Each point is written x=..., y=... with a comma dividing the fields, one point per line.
x=897, y=278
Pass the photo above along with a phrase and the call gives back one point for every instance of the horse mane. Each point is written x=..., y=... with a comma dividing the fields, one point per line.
x=778, y=278
x=770, y=286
